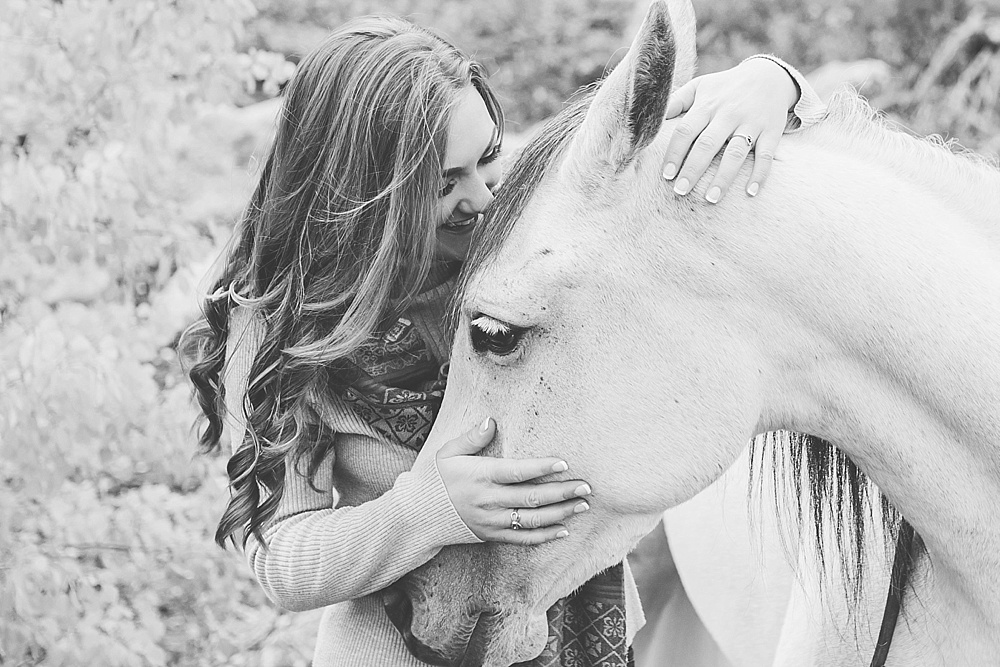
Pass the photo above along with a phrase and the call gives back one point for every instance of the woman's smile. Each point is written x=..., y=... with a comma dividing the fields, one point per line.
x=461, y=225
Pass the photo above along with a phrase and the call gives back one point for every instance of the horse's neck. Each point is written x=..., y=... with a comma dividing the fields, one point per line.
x=882, y=335
x=964, y=182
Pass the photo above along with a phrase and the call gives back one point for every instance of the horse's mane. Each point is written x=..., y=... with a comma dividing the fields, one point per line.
x=966, y=180
x=831, y=494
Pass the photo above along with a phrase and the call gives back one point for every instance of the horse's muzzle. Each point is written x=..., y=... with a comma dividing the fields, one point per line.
x=399, y=609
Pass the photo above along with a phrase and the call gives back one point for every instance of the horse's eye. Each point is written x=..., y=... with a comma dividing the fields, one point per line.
x=490, y=335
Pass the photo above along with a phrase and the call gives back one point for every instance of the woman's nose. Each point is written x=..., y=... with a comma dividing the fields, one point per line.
x=479, y=195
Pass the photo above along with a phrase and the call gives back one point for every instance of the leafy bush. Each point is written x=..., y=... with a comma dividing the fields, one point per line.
x=901, y=32
x=105, y=516
x=538, y=53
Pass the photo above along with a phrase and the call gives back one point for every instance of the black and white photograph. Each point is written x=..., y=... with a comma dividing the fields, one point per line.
x=500, y=333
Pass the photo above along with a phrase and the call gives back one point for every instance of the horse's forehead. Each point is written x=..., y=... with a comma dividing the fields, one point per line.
x=571, y=208
x=577, y=217
x=520, y=285
x=552, y=242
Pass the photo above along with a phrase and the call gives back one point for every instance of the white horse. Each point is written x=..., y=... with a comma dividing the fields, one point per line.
x=647, y=337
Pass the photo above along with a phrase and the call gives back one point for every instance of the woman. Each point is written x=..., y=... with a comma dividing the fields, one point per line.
x=323, y=345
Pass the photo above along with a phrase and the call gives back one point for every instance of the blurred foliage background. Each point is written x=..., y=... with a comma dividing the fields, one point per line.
x=129, y=133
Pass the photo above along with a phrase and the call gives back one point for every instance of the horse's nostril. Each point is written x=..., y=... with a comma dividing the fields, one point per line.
x=475, y=650
x=397, y=606
x=399, y=609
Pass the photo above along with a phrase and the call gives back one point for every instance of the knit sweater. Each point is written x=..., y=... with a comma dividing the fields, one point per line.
x=809, y=109
x=369, y=516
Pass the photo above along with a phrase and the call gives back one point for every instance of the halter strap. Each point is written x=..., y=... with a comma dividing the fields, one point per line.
x=902, y=567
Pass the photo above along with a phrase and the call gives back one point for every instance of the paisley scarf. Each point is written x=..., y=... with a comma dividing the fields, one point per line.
x=394, y=384
x=587, y=627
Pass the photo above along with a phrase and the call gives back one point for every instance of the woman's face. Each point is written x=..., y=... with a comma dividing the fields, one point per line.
x=471, y=172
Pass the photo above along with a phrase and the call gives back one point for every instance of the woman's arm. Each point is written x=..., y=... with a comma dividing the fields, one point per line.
x=746, y=109
x=809, y=109
x=319, y=555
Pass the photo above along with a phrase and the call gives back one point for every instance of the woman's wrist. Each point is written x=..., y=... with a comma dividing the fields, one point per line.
x=768, y=67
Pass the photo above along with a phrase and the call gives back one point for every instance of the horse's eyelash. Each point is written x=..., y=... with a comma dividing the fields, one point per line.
x=490, y=326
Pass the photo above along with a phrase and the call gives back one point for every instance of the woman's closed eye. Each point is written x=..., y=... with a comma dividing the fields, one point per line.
x=449, y=187
x=492, y=155
x=451, y=181
x=495, y=337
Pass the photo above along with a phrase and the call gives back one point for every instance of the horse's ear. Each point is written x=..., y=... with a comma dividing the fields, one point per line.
x=627, y=111
x=684, y=26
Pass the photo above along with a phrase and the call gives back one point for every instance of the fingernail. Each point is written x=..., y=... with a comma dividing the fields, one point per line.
x=582, y=490
x=682, y=187
x=714, y=194
x=752, y=190
x=562, y=533
x=485, y=426
x=669, y=171
x=581, y=507
x=562, y=466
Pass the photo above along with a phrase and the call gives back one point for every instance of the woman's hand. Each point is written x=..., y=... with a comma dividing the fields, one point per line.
x=486, y=491
x=746, y=106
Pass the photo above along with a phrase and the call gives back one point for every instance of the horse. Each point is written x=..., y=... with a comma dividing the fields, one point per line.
x=647, y=338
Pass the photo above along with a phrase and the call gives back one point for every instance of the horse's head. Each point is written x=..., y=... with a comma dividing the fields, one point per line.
x=563, y=339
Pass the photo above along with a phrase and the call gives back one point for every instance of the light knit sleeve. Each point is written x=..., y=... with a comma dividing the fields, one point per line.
x=810, y=109
x=319, y=554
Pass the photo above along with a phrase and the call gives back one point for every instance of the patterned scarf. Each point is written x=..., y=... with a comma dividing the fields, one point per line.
x=587, y=627
x=394, y=384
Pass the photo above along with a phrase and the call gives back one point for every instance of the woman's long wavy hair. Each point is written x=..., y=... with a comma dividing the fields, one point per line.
x=338, y=236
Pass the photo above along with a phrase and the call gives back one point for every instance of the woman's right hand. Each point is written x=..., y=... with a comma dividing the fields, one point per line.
x=486, y=491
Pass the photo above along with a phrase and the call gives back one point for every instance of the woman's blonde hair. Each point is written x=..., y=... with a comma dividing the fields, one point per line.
x=337, y=238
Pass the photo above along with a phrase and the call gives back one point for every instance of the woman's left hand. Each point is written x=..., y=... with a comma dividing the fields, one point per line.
x=746, y=106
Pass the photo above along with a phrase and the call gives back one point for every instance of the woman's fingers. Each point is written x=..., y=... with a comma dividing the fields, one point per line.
x=709, y=142
x=499, y=471
x=530, y=537
x=471, y=442
x=535, y=526
x=687, y=131
x=515, y=471
x=681, y=99
x=763, y=157
x=528, y=496
x=549, y=515
x=737, y=150
x=485, y=491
